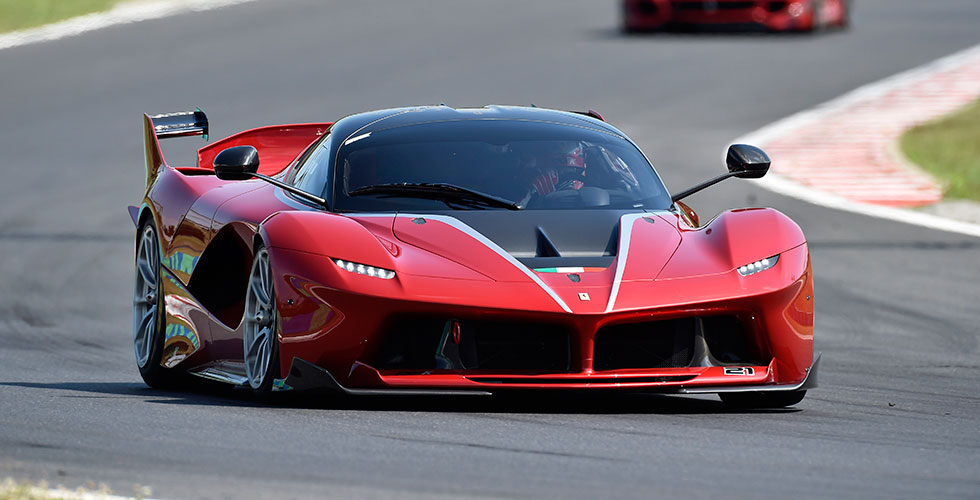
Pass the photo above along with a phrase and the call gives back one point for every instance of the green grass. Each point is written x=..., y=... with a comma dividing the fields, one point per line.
x=23, y=490
x=20, y=14
x=949, y=148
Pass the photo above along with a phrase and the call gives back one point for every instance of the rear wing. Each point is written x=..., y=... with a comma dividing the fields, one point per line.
x=180, y=124
x=278, y=145
x=156, y=127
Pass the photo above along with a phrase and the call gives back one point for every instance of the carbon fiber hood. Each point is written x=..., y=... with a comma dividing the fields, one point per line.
x=538, y=238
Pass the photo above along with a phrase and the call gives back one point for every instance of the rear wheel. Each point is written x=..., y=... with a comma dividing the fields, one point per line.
x=762, y=399
x=261, y=343
x=149, y=316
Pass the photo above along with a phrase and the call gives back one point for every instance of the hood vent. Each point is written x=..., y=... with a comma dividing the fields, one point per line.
x=546, y=247
x=550, y=238
x=536, y=238
x=548, y=255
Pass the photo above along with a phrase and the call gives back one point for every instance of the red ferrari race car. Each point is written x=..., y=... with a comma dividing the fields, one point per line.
x=775, y=15
x=433, y=250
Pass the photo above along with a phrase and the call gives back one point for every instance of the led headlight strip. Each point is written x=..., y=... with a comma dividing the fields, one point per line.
x=366, y=270
x=758, y=266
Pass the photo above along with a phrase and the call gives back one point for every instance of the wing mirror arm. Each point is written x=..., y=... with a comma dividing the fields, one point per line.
x=706, y=184
x=744, y=162
x=242, y=162
x=298, y=192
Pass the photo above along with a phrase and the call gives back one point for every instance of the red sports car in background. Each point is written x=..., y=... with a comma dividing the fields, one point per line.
x=433, y=250
x=776, y=15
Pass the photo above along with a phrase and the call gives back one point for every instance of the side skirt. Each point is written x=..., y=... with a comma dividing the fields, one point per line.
x=226, y=372
x=304, y=376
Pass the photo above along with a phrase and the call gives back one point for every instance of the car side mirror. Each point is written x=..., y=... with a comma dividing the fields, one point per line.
x=747, y=162
x=236, y=163
x=744, y=162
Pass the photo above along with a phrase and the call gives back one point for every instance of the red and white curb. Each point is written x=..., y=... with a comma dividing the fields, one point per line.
x=841, y=154
x=124, y=13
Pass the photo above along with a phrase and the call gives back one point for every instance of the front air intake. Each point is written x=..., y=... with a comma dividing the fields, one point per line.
x=502, y=346
x=654, y=344
x=675, y=343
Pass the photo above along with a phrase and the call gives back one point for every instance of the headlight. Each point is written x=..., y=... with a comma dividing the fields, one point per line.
x=758, y=266
x=366, y=270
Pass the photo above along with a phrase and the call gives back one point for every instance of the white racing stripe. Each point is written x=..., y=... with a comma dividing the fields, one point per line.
x=787, y=126
x=128, y=12
x=622, y=252
x=626, y=223
x=473, y=233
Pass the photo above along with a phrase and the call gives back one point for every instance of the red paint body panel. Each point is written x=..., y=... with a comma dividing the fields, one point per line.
x=278, y=144
x=624, y=379
x=444, y=240
x=653, y=241
x=734, y=238
x=778, y=300
x=445, y=269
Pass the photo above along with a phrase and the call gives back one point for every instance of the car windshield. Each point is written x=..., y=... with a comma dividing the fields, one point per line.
x=493, y=164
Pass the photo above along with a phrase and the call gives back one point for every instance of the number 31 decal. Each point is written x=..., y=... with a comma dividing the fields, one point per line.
x=739, y=370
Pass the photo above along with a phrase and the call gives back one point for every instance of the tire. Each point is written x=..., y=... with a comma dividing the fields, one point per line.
x=764, y=399
x=149, y=315
x=260, y=336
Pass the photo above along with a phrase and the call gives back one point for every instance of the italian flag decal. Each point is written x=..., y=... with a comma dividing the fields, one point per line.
x=569, y=269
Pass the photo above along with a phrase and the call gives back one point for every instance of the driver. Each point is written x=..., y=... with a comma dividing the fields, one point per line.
x=551, y=167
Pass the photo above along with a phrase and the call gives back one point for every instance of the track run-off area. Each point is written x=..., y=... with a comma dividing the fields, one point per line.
x=896, y=304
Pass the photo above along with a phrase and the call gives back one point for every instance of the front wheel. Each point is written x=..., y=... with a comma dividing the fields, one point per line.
x=261, y=343
x=762, y=399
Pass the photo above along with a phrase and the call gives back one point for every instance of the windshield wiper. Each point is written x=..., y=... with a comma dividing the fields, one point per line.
x=448, y=193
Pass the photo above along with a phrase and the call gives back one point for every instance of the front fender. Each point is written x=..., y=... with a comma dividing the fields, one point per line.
x=733, y=239
x=325, y=234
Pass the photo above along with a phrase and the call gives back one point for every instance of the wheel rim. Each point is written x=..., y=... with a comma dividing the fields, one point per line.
x=145, y=294
x=260, y=321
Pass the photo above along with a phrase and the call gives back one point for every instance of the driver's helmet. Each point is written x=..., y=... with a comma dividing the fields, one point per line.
x=573, y=157
x=553, y=165
x=556, y=166
x=562, y=154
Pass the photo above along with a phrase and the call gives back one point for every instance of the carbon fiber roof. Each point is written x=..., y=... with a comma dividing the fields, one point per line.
x=386, y=118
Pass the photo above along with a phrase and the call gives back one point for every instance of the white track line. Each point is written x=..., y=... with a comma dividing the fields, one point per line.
x=787, y=187
x=124, y=13
x=62, y=493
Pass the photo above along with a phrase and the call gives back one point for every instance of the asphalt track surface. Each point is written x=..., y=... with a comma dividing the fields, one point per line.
x=897, y=315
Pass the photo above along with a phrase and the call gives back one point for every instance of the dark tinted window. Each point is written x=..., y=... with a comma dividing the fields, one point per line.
x=311, y=174
x=539, y=165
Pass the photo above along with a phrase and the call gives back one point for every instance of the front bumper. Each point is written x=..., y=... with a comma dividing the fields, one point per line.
x=306, y=376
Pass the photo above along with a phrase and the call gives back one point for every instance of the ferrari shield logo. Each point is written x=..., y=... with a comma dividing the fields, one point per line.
x=583, y=296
